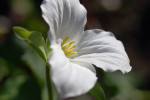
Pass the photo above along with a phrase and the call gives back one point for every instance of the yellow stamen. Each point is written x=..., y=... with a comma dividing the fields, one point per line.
x=67, y=48
x=68, y=45
x=70, y=53
x=66, y=39
x=71, y=43
x=72, y=48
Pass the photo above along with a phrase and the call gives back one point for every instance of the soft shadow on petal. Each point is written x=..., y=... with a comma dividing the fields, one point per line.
x=103, y=50
x=70, y=78
x=66, y=18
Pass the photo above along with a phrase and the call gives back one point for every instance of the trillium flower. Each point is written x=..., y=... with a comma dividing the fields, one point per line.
x=75, y=51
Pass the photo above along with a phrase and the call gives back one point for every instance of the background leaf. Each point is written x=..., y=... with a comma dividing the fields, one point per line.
x=97, y=92
x=3, y=69
x=35, y=64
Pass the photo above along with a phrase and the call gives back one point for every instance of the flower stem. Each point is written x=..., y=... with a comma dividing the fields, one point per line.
x=49, y=84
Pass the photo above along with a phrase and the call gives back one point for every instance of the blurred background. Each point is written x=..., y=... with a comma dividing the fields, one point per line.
x=22, y=70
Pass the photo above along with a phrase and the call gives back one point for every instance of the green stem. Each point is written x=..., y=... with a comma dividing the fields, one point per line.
x=49, y=83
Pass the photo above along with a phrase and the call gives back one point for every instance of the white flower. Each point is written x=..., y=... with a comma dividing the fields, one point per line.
x=75, y=51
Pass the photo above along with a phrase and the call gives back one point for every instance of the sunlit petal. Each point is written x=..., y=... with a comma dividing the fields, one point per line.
x=103, y=50
x=70, y=78
x=65, y=18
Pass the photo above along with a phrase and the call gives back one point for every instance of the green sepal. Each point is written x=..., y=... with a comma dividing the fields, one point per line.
x=21, y=33
x=34, y=39
x=97, y=92
x=47, y=48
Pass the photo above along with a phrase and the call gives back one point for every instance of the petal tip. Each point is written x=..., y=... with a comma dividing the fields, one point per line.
x=127, y=70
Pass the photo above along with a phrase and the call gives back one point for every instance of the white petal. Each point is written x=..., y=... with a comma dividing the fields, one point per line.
x=103, y=50
x=70, y=78
x=66, y=18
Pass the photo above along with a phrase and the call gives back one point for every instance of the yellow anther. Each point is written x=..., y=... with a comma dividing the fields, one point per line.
x=67, y=48
x=64, y=41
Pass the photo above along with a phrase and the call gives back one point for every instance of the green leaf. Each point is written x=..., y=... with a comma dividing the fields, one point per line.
x=34, y=39
x=97, y=92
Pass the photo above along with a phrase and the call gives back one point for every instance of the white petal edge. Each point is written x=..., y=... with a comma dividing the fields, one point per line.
x=70, y=78
x=66, y=18
x=102, y=49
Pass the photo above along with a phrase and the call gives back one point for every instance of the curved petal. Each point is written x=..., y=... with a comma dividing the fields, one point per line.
x=70, y=78
x=66, y=18
x=103, y=50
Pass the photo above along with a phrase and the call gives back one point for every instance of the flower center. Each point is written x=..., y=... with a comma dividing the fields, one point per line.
x=68, y=48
